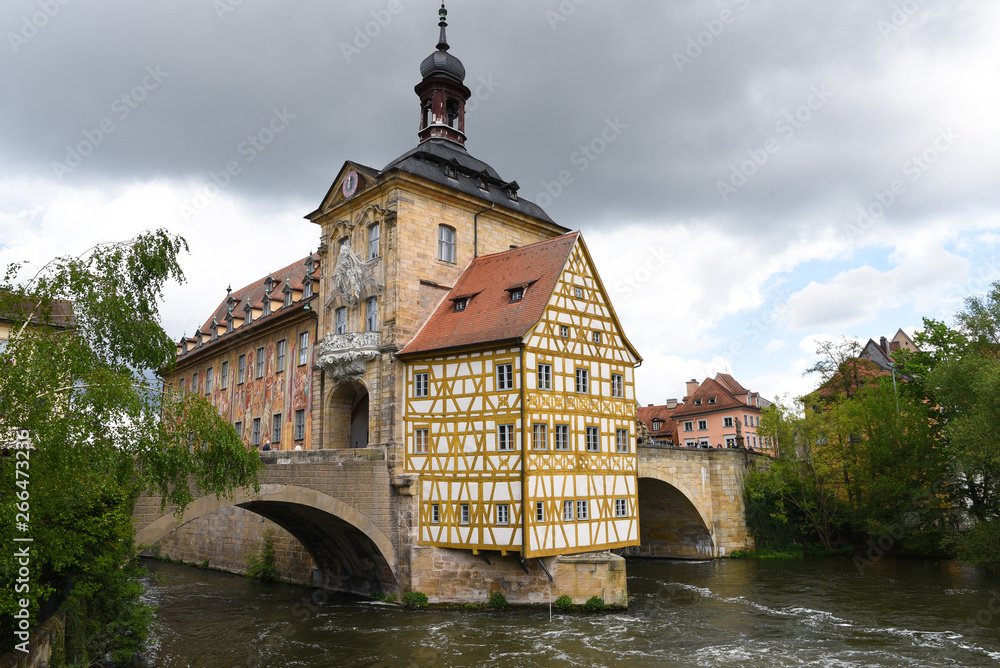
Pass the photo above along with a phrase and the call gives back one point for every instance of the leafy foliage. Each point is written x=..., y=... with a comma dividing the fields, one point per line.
x=261, y=566
x=595, y=604
x=563, y=603
x=415, y=599
x=102, y=429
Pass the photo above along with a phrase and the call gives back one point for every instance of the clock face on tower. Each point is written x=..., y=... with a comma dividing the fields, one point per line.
x=350, y=183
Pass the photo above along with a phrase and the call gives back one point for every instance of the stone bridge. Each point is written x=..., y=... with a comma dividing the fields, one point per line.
x=691, y=502
x=357, y=523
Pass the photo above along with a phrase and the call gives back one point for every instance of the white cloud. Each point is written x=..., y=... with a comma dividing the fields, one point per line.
x=775, y=345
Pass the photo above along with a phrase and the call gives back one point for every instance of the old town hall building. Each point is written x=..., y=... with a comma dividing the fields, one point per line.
x=461, y=329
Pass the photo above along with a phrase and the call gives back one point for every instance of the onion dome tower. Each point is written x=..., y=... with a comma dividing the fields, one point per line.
x=442, y=92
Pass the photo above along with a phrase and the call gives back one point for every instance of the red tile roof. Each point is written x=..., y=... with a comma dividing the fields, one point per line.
x=293, y=276
x=489, y=316
x=727, y=393
x=19, y=308
x=646, y=415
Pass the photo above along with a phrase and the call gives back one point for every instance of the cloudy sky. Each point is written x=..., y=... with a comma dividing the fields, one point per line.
x=751, y=175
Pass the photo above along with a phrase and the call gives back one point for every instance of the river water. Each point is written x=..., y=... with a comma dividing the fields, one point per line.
x=817, y=612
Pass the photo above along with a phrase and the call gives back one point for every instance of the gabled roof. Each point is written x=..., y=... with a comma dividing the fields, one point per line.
x=489, y=315
x=873, y=352
x=720, y=393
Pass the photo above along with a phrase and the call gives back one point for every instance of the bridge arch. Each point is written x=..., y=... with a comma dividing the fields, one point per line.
x=352, y=553
x=673, y=522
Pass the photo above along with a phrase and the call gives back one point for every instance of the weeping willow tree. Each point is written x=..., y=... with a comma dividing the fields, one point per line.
x=86, y=428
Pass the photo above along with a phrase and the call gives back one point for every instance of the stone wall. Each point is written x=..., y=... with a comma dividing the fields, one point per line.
x=712, y=480
x=458, y=576
x=40, y=646
x=227, y=537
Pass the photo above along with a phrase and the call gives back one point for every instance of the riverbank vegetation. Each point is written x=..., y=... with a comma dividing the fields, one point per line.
x=94, y=430
x=897, y=461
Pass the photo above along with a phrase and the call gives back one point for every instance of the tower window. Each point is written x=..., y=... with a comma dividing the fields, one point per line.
x=446, y=243
x=451, y=108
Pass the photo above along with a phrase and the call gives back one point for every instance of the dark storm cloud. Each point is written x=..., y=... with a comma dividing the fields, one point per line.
x=603, y=111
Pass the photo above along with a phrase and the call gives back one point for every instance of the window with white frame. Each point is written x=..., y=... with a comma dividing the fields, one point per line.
x=279, y=354
x=539, y=511
x=300, y=424
x=621, y=440
x=702, y=425
x=303, y=348
x=727, y=422
x=435, y=513
x=582, y=509
x=656, y=425
x=260, y=363
x=420, y=385
x=224, y=376
x=516, y=295
x=564, y=331
x=371, y=314
x=583, y=381
x=596, y=336
x=241, y=369
x=540, y=437
x=255, y=434
x=373, y=242
x=505, y=376
x=421, y=441
x=446, y=243
x=503, y=513
x=616, y=386
x=593, y=439
x=307, y=288
x=464, y=513
x=505, y=437
x=578, y=292
x=340, y=320
x=209, y=378
x=544, y=376
x=730, y=442
x=621, y=507
x=562, y=437
x=276, y=428
x=689, y=426
x=568, y=513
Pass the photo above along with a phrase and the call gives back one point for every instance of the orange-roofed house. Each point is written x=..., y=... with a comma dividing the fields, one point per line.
x=253, y=358
x=520, y=408
x=716, y=413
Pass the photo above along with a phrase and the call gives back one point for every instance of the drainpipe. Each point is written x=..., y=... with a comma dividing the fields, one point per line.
x=524, y=461
x=475, y=230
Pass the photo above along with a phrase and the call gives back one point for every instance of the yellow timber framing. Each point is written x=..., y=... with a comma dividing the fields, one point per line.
x=469, y=471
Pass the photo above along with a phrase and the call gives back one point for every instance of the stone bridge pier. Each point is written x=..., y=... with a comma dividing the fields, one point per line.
x=691, y=502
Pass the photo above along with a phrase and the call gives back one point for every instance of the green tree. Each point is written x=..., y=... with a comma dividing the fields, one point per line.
x=102, y=432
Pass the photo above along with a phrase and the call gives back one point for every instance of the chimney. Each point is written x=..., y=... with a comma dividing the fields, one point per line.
x=884, y=345
x=671, y=404
x=692, y=385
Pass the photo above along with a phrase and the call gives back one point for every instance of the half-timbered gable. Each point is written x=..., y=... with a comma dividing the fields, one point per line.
x=520, y=408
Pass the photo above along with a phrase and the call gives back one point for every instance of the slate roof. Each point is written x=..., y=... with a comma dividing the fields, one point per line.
x=874, y=353
x=489, y=316
x=434, y=158
x=293, y=276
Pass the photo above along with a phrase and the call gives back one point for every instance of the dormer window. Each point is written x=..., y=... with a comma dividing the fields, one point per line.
x=310, y=265
x=656, y=425
x=450, y=171
x=516, y=295
x=697, y=402
x=482, y=184
x=712, y=400
x=288, y=293
x=460, y=304
x=307, y=288
x=512, y=194
x=248, y=309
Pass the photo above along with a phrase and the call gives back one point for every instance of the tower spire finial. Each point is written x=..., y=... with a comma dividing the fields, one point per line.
x=443, y=40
